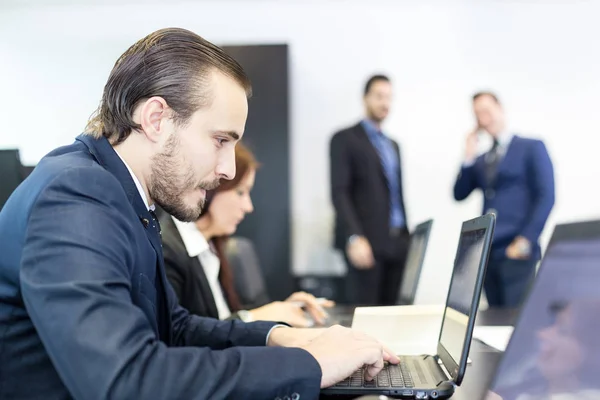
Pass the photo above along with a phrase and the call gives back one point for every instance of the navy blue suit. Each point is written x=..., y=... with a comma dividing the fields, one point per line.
x=86, y=310
x=522, y=196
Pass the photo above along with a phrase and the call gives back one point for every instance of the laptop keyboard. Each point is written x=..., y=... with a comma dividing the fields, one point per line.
x=390, y=376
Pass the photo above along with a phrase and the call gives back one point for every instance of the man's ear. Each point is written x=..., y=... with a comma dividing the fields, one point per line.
x=153, y=115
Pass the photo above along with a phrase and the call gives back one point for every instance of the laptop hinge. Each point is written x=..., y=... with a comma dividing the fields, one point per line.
x=443, y=368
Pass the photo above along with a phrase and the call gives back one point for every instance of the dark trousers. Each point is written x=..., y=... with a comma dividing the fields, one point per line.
x=379, y=285
x=507, y=281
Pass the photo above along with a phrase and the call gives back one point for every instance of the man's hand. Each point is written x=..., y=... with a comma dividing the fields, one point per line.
x=341, y=351
x=293, y=337
x=290, y=313
x=519, y=249
x=471, y=145
x=360, y=253
x=314, y=307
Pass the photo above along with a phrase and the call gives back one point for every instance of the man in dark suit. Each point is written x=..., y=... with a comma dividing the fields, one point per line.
x=517, y=179
x=85, y=308
x=366, y=190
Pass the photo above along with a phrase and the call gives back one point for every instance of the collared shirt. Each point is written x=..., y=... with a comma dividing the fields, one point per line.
x=504, y=139
x=196, y=245
x=391, y=165
x=138, y=185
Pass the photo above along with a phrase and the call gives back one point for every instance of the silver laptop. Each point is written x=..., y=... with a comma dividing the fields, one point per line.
x=433, y=376
x=417, y=249
x=554, y=351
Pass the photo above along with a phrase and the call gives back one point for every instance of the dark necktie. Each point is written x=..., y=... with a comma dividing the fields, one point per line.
x=163, y=325
x=492, y=159
x=155, y=222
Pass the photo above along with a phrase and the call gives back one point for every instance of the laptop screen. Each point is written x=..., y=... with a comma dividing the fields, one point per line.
x=414, y=262
x=554, y=351
x=462, y=289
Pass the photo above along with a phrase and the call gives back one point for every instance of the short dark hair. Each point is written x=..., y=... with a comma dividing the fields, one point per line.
x=372, y=80
x=172, y=63
x=486, y=93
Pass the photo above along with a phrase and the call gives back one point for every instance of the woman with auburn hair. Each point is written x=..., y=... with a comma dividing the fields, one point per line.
x=196, y=262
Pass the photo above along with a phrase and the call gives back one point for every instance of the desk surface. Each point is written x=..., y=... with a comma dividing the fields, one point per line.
x=484, y=358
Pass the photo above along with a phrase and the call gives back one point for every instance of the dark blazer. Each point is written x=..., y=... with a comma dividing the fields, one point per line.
x=522, y=194
x=86, y=310
x=359, y=189
x=185, y=273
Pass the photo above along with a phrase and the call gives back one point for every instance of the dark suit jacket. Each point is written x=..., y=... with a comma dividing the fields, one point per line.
x=187, y=276
x=185, y=273
x=86, y=310
x=522, y=193
x=359, y=189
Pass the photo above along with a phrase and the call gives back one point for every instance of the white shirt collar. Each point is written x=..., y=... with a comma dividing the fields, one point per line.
x=504, y=138
x=196, y=245
x=194, y=241
x=138, y=185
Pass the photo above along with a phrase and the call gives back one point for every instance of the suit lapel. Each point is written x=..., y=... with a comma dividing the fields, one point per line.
x=370, y=148
x=502, y=164
x=108, y=158
x=206, y=292
x=506, y=158
x=194, y=263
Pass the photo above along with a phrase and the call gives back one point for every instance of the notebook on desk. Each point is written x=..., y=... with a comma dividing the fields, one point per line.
x=432, y=376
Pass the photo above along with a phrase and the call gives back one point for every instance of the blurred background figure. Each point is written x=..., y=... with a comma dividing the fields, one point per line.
x=197, y=265
x=366, y=190
x=567, y=358
x=517, y=179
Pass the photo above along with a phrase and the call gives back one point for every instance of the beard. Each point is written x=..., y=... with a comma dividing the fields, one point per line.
x=171, y=178
x=376, y=115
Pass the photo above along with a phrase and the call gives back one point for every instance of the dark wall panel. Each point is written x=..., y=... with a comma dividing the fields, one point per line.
x=267, y=134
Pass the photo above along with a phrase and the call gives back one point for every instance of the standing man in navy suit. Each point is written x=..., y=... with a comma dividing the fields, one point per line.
x=366, y=191
x=86, y=310
x=517, y=180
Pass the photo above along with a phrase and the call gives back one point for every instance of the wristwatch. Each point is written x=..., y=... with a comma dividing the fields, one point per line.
x=245, y=315
x=352, y=238
x=525, y=247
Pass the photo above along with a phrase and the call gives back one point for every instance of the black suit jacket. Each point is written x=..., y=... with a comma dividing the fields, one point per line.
x=359, y=189
x=185, y=273
x=86, y=310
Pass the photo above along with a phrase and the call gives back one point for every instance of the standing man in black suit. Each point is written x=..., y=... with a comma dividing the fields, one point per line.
x=366, y=190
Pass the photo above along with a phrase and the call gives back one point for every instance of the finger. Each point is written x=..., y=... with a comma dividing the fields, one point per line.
x=375, y=367
x=314, y=308
x=327, y=303
x=317, y=313
x=390, y=356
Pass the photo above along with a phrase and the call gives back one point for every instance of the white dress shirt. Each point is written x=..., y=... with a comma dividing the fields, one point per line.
x=504, y=139
x=138, y=185
x=197, y=246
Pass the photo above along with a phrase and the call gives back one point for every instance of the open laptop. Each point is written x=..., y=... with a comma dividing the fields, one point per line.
x=417, y=248
x=554, y=351
x=433, y=376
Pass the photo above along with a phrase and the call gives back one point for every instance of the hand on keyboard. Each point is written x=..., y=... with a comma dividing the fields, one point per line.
x=341, y=351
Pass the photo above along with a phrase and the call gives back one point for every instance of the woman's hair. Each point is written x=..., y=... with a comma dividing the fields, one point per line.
x=244, y=163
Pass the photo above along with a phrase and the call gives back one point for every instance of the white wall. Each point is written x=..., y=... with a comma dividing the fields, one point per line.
x=542, y=58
